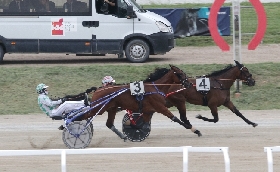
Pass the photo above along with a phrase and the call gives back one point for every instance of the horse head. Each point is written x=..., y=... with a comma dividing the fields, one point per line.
x=183, y=78
x=245, y=74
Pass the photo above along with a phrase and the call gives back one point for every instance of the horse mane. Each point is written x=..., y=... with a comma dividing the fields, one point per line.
x=219, y=72
x=157, y=74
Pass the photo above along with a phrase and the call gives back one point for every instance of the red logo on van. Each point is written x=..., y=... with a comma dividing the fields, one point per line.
x=57, y=27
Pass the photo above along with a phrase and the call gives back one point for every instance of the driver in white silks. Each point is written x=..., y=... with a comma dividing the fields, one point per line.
x=56, y=109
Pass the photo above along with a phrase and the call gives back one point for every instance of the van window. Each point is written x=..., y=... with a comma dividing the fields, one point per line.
x=45, y=8
x=119, y=10
x=136, y=7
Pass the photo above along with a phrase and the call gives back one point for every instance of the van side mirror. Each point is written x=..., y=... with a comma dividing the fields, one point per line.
x=130, y=12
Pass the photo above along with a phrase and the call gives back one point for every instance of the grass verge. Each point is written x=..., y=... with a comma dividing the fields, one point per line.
x=18, y=95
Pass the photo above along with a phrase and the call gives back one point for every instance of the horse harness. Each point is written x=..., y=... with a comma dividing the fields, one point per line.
x=204, y=92
x=137, y=89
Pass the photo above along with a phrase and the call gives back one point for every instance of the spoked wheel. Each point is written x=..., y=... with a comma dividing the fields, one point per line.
x=75, y=137
x=138, y=132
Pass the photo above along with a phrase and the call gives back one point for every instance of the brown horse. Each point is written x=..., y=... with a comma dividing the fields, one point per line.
x=219, y=93
x=153, y=100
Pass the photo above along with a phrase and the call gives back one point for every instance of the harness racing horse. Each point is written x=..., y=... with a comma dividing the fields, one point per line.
x=218, y=94
x=109, y=98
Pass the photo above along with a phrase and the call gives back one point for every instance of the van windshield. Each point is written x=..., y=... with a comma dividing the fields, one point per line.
x=136, y=6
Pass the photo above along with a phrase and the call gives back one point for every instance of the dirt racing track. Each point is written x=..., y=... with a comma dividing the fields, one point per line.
x=246, y=144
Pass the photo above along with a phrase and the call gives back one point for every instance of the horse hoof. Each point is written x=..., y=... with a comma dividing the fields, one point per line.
x=198, y=133
x=61, y=127
x=255, y=124
x=125, y=139
x=198, y=116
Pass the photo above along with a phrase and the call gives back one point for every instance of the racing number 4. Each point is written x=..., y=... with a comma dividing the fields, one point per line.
x=202, y=84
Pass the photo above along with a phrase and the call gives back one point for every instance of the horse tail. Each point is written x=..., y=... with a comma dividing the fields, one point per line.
x=76, y=97
x=80, y=96
x=92, y=89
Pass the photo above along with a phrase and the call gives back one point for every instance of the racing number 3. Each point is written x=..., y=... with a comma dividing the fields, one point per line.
x=137, y=88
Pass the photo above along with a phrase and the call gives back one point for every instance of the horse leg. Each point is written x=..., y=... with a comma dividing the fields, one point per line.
x=179, y=102
x=167, y=113
x=110, y=123
x=183, y=117
x=147, y=118
x=214, y=111
x=175, y=119
x=115, y=130
x=236, y=111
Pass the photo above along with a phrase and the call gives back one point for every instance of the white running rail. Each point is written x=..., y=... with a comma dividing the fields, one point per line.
x=269, y=151
x=132, y=150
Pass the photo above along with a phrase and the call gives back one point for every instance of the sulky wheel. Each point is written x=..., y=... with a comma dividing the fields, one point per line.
x=138, y=132
x=75, y=137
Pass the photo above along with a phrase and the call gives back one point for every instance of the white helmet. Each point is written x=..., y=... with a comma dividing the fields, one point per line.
x=108, y=80
x=41, y=88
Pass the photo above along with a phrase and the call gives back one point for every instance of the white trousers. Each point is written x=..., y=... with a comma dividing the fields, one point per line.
x=66, y=107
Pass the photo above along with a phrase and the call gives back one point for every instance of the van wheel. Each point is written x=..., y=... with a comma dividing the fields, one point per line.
x=1, y=54
x=137, y=51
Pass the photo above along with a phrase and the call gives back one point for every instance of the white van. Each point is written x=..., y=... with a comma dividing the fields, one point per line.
x=83, y=27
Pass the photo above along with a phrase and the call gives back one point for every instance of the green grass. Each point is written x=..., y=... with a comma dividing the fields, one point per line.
x=248, y=24
x=18, y=95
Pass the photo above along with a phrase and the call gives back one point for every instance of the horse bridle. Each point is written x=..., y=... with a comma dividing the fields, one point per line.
x=247, y=78
x=185, y=82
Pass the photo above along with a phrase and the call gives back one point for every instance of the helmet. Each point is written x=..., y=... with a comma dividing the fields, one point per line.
x=41, y=88
x=108, y=80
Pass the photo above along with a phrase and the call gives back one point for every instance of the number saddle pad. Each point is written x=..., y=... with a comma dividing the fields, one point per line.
x=203, y=84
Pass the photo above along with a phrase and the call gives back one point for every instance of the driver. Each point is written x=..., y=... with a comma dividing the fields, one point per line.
x=108, y=80
x=111, y=6
x=58, y=108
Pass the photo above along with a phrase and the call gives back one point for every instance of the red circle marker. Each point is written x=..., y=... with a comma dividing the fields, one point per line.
x=255, y=41
x=213, y=28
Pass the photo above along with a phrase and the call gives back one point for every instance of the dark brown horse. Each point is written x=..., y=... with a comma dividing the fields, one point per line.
x=219, y=93
x=111, y=97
